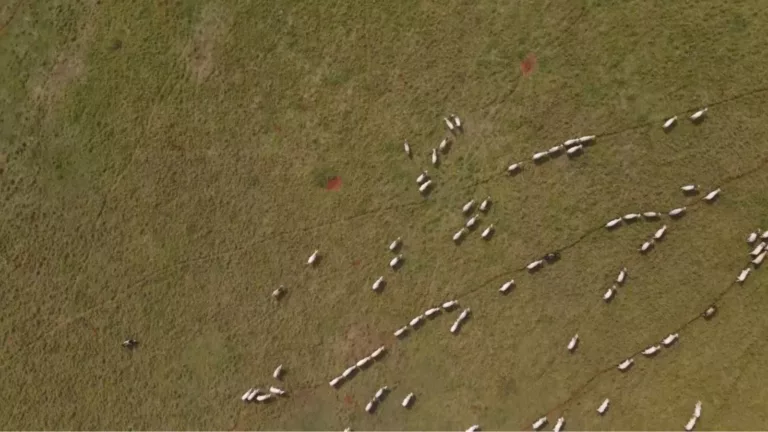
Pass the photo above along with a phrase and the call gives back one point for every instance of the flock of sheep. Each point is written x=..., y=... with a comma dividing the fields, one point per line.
x=572, y=147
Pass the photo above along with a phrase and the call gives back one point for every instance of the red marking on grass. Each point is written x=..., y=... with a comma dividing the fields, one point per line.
x=334, y=183
x=528, y=64
x=356, y=262
x=348, y=400
x=277, y=129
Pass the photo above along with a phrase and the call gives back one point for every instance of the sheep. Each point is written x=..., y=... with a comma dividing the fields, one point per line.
x=450, y=305
x=631, y=216
x=697, y=409
x=380, y=393
x=710, y=312
x=407, y=401
x=425, y=186
x=334, y=382
x=277, y=391
x=651, y=350
x=712, y=195
x=464, y=314
x=456, y=121
x=424, y=176
x=752, y=237
x=264, y=397
x=677, y=212
x=130, y=343
x=622, y=275
x=434, y=157
x=570, y=142
x=613, y=222
x=395, y=245
x=669, y=123
x=278, y=373
x=455, y=326
x=416, y=321
x=555, y=150
x=559, y=424
x=370, y=407
x=514, y=168
x=313, y=258
x=609, y=294
x=506, y=286
x=689, y=188
x=574, y=150
x=574, y=341
x=471, y=222
x=537, y=157
x=431, y=312
x=485, y=205
x=459, y=234
x=764, y=236
x=253, y=394
x=486, y=234
x=466, y=208
x=539, y=423
x=626, y=364
x=474, y=428
x=534, y=265
x=743, y=275
x=449, y=124
x=246, y=395
x=378, y=283
x=660, y=233
x=645, y=247
x=603, y=406
x=443, y=146
x=759, y=259
x=362, y=363
x=407, y=148
x=758, y=249
x=651, y=215
x=691, y=424
x=401, y=331
x=587, y=139
x=348, y=429
x=394, y=262
x=669, y=340
x=278, y=293
x=349, y=371
x=552, y=257
x=378, y=352
x=699, y=115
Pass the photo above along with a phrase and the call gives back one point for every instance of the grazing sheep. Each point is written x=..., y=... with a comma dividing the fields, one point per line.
x=626, y=364
x=464, y=314
x=514, y=168
x=534, y=265
x=334, y=382
x=434, y=157
x=603, y=406
x=254, y=393
x=570, y=142
x=416, y=321
x=651, y=350
x=278, y=373
x=378, y=283
x=710, y=312
x=425, y=186
x=466, y=208
x=450, y=305
x=474, y=428
x=540, y=156
x=347, y=429
x=277, y=391
x=378, y=352
x=370, y=407
x=401, y=331
x=264, y=397
x=691, y=424
x=573, y=343
x=651, y=215
x=407, y=401
x=424, y=176
x=669, y=340
x=449, y=124
x=609, y=294
x=613, y=222
x=574, y=150
x=432, y=311
x=759, y=259
x=677, y=212
x=587, y=139
x=279, y=292
x=660, y=233
x=349, y=371
x=456, y=120
x=459, y=234
x=743, y=275
x=407, y=149
x=455, y=326
x=758, y=249
x=752, y=237
x=395, y=244
x=559, y=424
x=622, y=275
x=765, y=235
x=471, y=222
x=645, y=247
x=313, y=258
x=443, y=146
x=539, y=423
x=712, y=195
x=506, y=286
x=555, y=150
x=485, y=204
x=669, y=123
x=380, y=393
x=699, y=115
x=552, y=257
x=697, y=409
x=246, y=395
x=394, y=262
x=689, y=188
x=362, y=363
x=631, y=217
x=130, y=343
x=486, y=234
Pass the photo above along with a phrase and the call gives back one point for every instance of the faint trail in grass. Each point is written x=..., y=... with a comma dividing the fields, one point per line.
x=15, y=9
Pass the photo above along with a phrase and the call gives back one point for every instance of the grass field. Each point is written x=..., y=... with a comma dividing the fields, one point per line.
x=162, y=170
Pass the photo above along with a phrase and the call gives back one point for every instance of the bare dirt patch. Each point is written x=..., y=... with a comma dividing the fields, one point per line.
x=215, y=23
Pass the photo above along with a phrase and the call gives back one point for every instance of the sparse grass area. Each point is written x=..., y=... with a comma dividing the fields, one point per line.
x=162, y=170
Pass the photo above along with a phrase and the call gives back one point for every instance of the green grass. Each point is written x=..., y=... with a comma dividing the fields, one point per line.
x=162, y=170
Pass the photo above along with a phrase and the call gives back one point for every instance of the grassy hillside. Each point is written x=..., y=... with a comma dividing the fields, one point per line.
x=163, y=168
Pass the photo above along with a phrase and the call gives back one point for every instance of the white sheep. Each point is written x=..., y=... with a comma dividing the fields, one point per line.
x=609, y=294
x=349, y=371
x=534, y=265
x=631, y=216
x=689, y=188
x=395, y=244
x=743, y=275
x=474, y=428
x=407, y=400
x=752, y=237
x=622, y=275
x=485, y=204
x=765, y=235
x=459, y=234
x=651, y=350
x=539, y=156
x=698, y=115
x=697, y=409
x=278, y=372
x=651, y=215
x=425, y=186
x=424, y=176
x=645, y=247
x=586, y=139
x=371, y=406
x=378, y=352
x=555, y=150
x=334, y=382
x=380, y=392
x=456, y=120
x=710, y=312
x=254, y=393
x=574, y=150
x=539, y=423
x=515, y=167
x=570, y=142
x=677, y=212
x=712, y=195
x=432, y=311
x=759, y=259
x=603, y=406
x=471, y=222
x=670, y=121
x=487, y=232
x=669, y=340
x=660, y=232
x=691, y=424
x=313, y=258
x=401, y=331
x=613, y=222
x=559, y=424
x=362, y=363
x=378, y=283
x=450, y=305
x=758, y=249
x=443, y=146
x=434, y=157
x=277, y=391
x=466, y=208
x=416, y=321
x=506, y=286
x=626, y=364
x=464, y=314
x=407, y=148
x=574, y=341
x=279, y=292
x=246, y=395
x=449, y=124
x=455, y=326
x=394, y=262
x=264, y=397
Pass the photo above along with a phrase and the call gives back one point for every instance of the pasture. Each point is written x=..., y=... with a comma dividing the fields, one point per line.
x=163, y=168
